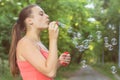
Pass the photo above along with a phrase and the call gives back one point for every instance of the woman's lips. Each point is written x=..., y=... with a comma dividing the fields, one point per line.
x=47, y=22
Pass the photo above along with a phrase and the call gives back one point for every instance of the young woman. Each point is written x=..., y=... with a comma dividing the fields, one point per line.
x=27, y=53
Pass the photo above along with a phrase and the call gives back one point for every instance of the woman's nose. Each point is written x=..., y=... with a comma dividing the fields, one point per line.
x=47, y=16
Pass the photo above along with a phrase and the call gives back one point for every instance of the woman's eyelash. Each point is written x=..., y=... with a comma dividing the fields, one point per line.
x=41, y=14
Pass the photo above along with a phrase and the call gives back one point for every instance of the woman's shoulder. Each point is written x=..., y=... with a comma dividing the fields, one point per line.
x=23, y=42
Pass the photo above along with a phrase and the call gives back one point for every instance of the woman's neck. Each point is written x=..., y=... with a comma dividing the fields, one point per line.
x=35, y=38
x=33, y=35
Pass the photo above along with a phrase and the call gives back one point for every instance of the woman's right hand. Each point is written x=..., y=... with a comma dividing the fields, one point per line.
x=53, y=30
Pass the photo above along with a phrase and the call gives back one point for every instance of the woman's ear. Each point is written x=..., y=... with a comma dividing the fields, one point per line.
x=29, y=21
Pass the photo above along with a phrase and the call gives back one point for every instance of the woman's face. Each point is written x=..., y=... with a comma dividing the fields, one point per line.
x=40, y=19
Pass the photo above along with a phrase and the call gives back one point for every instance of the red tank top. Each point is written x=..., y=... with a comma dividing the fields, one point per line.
x=28, y=72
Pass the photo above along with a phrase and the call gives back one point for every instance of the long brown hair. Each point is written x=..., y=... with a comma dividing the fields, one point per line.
x=17, y=29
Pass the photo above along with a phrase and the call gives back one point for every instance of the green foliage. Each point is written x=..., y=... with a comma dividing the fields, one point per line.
x=74, y=15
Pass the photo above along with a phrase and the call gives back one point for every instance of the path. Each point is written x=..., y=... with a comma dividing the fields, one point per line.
x=87, y=73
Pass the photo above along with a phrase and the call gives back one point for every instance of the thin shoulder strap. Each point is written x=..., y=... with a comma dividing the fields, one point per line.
x=43, y=52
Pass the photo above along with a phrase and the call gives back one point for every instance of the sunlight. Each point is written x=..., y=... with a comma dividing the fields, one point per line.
x=91, y=47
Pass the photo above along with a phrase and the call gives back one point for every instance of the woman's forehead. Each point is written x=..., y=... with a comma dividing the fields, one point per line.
x=38, y=9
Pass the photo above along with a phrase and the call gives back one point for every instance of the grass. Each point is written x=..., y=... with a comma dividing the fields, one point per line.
x=64, y=72
x=106, y=69
x=5, y=72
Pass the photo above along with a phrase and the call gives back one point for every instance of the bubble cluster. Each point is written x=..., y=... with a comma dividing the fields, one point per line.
x=83, y=45
x=83, y=63
x=113, y=69
x=110, y=43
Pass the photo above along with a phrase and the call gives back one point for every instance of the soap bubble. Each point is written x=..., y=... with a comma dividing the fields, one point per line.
x=81, y=48
x=70, y=30
x=110, y=47
x=113, y=68
x=114, y=41
x=78, y=35
x=109, y=26
x=106, y=39
x=86, y=44
x=99, y=34
x=106, y=45
x=83, y=63
x=90, y=38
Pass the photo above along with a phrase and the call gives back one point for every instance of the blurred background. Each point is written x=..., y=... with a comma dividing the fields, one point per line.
x=90, y=32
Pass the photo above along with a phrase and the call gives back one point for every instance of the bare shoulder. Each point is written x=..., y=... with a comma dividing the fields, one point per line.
x=25, y=48
x=24, y=45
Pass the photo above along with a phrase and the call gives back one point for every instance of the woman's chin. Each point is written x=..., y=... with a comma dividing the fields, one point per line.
x=44, y=28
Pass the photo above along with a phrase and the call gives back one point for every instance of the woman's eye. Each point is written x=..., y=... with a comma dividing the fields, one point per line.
x=41, y=14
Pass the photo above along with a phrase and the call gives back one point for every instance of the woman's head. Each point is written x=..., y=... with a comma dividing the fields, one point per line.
x=31, y=17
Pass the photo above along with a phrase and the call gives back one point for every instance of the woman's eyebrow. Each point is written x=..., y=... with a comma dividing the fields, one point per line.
x=41, y=11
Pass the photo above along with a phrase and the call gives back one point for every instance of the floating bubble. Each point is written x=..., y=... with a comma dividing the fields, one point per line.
x=99, y=34
x=102, y=11
x=83, y=63
x=61, y=24
x=109, y=26
x=110, y=47
x=90, y=38
x=114, y=41
x=86, y=44
x=113, y=68
x=70, y=30
x=113, y=28
x=81, y=48
x=106, y=39
x=78, y=35
x=106, y=45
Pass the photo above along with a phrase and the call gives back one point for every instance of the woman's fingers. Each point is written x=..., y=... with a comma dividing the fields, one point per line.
x=67, y=58
x=53, y=30
x=53, y=25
